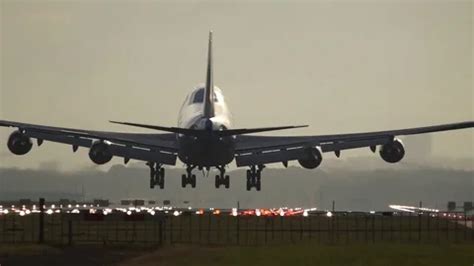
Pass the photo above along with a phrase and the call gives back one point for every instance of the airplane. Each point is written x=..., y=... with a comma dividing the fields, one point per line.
x=204, y=139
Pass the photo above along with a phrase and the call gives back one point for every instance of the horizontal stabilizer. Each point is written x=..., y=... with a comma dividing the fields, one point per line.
x=201, y=132
x=178, y=130
x=242, y=131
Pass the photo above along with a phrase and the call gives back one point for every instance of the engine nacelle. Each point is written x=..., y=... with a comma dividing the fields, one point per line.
x=315, y=158
x=100, y=153
x=19, y=144
x=392, y=152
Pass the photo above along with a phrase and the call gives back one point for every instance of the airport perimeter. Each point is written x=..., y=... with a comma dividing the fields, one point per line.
x=225, y=229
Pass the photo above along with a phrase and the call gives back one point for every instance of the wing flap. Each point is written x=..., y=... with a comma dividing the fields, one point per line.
x=143, y=155
x=347, y=145
x=270, y=157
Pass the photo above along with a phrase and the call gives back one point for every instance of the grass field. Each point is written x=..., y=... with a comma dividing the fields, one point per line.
x=363, y=255
x=299, y=254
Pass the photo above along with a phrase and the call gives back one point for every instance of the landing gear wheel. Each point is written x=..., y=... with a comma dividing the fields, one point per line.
x=152, y=182
x=217, y=183
x=157, y=175
x=222, y=178
x=162, y=172
x=254, y=177
x=188, y=178
x=183, y=181
x=227, y=181
x=161, y=183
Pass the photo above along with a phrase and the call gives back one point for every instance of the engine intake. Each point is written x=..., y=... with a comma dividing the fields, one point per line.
x=392, y=152
x=100, y=153
x=19, y=144
x=315, y=158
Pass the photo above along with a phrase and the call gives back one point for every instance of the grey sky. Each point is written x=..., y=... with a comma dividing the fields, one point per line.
x=337, y=66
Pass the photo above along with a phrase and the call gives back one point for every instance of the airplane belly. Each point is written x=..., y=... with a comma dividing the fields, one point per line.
x=206, y=152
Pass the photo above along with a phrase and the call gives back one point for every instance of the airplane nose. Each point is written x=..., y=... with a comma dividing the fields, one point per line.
x=208, y=125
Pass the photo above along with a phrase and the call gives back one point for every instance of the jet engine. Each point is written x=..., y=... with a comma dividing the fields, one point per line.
x=315, y=158
x=392, y=152
x=100, y=153
x=19, y=144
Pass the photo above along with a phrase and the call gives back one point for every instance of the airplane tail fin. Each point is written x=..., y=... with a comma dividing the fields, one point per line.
x=209, y=90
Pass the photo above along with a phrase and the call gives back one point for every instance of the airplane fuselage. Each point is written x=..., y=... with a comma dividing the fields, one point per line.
x=208, y=150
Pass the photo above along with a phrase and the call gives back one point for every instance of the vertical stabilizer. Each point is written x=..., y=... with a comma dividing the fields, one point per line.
x=209, y=90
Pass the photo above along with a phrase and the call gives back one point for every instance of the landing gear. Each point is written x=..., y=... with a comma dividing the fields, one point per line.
x=189, y=178
x=157, y=175
x=222, y=178
x=254, y=177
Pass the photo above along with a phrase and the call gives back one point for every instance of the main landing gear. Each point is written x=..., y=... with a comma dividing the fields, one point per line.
x=189, y=178
x=253, y=177
x=157, y=175
x=222, y=178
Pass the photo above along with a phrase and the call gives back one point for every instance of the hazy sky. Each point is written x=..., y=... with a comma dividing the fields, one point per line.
x=339, y=66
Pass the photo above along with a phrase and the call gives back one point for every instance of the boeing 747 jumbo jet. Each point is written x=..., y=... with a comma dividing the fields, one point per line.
x=204, y=139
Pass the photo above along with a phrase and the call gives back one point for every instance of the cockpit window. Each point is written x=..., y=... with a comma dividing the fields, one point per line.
x=199, y=96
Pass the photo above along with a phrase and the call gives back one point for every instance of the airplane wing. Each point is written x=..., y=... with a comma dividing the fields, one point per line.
x=255, y=150
x=160, y=148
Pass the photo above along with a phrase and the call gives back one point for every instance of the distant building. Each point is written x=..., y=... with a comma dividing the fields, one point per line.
x=451, y=206
x=101, y=202
x=139, y=202
x=468, y=206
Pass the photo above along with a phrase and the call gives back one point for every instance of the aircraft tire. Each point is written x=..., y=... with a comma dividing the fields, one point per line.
x=152, y=182
x=193, y=181
x=227, y=181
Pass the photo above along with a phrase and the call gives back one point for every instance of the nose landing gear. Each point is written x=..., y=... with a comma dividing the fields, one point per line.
x=222, y=178
x=254, y=176
x=157, y=175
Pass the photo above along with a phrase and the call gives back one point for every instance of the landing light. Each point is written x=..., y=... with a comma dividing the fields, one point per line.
x=234, y=212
